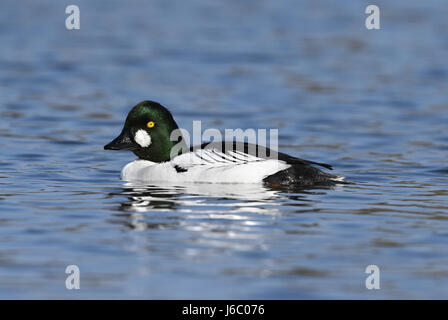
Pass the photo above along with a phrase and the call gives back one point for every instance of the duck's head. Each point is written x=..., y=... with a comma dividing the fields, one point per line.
x=146, y=132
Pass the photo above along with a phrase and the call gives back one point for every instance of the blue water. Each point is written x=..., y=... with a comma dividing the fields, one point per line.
x=374, y=104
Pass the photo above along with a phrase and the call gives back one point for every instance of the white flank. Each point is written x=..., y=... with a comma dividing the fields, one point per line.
x=208, y=165
x=142, y=138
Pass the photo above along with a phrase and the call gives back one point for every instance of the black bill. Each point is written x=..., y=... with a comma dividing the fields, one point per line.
x=123, y=142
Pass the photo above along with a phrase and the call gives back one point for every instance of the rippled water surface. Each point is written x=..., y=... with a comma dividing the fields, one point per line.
x=374, y=104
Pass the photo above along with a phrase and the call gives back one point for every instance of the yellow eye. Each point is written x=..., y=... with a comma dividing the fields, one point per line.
x=150, y=124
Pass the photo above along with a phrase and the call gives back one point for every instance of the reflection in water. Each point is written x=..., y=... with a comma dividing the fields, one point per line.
x=144, y=197
x=221, y=201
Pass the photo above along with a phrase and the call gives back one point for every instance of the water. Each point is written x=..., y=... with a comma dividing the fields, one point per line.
x=371, y=103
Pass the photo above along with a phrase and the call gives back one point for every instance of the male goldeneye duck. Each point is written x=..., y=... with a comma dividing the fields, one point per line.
x=147, y=132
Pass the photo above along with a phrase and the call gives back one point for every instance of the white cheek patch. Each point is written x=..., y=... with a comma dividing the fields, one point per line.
x=142, y=138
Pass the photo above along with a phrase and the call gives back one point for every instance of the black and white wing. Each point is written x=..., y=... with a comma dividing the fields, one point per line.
x=213, y=157
x=256, y=151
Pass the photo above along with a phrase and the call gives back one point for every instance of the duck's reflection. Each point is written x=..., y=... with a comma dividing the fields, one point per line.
x=143, y=197
x=169, y=204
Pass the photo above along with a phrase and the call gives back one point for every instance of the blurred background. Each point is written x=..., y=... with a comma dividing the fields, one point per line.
x=373, y=103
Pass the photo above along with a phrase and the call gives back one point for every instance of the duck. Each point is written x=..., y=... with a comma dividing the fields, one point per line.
x=148, y=133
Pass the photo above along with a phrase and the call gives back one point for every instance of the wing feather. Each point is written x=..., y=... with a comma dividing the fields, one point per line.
x=213, y=157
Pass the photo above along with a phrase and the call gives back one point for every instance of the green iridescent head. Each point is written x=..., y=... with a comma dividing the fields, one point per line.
x=147, y=132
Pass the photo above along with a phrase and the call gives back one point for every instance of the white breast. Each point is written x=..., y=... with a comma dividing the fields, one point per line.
x=208, y=165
